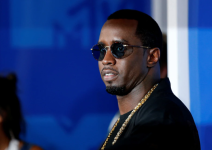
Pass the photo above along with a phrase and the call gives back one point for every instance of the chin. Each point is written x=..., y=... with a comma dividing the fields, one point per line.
x=117, y=90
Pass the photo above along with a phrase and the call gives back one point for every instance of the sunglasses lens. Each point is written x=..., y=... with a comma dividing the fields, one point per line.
x=118, y=50
x=121, y=51
x=98, y=52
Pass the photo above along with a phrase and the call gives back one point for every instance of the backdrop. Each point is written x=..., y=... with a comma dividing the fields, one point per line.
x=200, y=35
x=47, y=44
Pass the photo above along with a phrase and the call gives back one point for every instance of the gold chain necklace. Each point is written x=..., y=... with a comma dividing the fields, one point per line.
x=128, y=118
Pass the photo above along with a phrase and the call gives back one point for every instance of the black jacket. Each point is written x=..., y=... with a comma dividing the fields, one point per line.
x=162, y=123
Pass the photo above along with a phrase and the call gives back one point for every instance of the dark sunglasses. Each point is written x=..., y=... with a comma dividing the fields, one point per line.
x=119, y=50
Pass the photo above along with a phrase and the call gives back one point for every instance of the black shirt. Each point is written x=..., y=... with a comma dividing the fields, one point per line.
x=162, y=123
x=116, y=130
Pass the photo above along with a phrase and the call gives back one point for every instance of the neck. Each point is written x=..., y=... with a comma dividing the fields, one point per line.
x=4, y=140
x=128, y=102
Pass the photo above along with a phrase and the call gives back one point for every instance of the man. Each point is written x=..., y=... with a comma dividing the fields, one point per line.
x=151, y=116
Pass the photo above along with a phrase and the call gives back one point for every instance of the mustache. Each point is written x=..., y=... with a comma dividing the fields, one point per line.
x=109, y=68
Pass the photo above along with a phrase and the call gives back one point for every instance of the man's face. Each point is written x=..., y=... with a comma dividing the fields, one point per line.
x=122, y=75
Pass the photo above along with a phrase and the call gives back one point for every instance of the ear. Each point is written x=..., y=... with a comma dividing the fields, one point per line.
x=153, y=57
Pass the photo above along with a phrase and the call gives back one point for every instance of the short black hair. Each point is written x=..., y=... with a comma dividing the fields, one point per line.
x=147, y=29
x=10, y=109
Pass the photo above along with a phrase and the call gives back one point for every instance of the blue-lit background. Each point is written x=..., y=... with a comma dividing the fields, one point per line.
x=200, y=64
x=47, y=44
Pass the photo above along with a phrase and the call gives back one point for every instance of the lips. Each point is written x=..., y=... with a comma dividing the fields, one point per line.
x=109, y=74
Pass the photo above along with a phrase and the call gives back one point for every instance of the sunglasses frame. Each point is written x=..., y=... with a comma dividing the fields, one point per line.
x=124, y=45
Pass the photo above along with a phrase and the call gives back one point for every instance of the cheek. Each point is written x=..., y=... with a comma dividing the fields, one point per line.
x=134, y=68
x=100, y=66
x=127, y=70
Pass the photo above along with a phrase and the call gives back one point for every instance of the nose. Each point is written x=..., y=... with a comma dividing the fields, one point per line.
x=109, y=59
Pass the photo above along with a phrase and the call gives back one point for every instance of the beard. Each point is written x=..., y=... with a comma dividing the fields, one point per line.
x=114, y=90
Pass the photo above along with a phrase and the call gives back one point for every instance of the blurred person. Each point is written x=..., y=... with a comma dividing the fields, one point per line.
x=11, y=120
x=151, y=116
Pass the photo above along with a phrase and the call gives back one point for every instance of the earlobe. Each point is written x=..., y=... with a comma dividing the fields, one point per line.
x=153, y=57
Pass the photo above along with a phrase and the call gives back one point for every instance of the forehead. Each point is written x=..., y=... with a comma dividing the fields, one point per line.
x=119, y=29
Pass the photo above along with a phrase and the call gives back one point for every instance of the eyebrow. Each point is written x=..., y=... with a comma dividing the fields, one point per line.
x=118, y=40
x=121, y=41
x=101, y=43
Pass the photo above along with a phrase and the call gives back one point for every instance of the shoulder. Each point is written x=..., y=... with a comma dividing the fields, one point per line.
x=162, y=109
x=28, y=146
x=163, y=101
x=34, y=147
